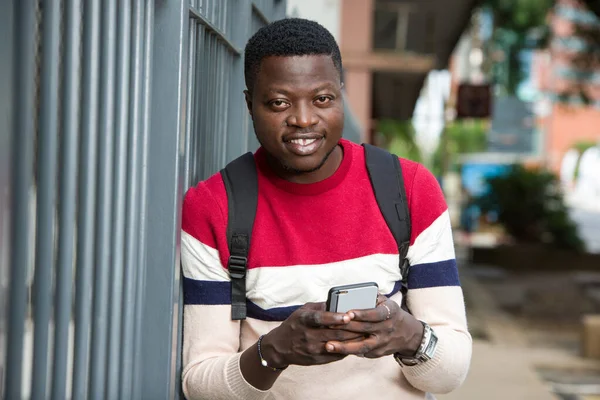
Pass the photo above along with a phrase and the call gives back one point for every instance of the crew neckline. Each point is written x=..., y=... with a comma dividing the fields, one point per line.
x=307, y=189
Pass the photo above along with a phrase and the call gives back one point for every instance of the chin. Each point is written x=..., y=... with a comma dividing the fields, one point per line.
x=305, y=165
x=302, y=167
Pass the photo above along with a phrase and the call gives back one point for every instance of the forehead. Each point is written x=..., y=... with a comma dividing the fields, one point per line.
x=298, y=71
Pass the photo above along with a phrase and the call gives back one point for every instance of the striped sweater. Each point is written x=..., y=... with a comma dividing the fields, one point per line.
x=306, y=239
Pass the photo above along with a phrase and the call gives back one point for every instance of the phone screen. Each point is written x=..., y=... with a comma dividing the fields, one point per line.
x=360, y=296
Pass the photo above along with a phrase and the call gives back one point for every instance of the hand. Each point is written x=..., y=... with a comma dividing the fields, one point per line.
x=387, y=332
x=301, y=338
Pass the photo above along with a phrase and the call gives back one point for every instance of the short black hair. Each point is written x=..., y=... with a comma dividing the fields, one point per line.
x=289, y=37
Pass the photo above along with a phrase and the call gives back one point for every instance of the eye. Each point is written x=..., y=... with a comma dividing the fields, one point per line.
x=322, y=100
x=279, y=104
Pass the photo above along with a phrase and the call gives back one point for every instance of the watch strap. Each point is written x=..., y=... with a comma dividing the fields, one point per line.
x=425, y=351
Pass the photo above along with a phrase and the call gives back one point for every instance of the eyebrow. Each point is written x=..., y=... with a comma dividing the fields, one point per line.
x=288, y=93
x=323, y=87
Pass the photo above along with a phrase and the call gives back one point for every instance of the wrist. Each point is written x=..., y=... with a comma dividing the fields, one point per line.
x=414, y=338
x=425, y=352
x=270, y=354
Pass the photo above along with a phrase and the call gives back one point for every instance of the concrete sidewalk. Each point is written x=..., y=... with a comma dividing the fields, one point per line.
x=502, y=366
x=500, y=373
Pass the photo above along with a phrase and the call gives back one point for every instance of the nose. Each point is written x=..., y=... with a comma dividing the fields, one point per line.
x=302, y=117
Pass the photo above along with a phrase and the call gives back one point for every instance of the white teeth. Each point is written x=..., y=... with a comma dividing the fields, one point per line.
x=303, y=142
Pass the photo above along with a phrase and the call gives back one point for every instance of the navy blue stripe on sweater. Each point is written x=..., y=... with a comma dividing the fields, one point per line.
x=219, y=293
x=437, y=274
x=206, y=292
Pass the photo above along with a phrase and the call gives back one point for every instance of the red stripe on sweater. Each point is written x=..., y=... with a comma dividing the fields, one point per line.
x=313, y=224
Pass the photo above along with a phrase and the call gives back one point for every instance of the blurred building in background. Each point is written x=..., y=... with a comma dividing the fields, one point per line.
x=388, y=49
x=565, y=117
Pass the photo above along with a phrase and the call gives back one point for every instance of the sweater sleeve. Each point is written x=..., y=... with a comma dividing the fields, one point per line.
x=434, y=292
x=211, y=340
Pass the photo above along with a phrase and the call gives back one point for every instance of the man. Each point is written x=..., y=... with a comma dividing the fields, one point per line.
x=317, y=225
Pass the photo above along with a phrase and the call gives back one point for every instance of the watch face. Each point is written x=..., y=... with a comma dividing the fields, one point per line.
x=425, y=351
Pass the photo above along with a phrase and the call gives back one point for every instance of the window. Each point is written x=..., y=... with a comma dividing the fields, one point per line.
x=404, y=26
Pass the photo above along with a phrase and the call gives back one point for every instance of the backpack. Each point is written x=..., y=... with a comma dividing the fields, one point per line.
x=241, y=183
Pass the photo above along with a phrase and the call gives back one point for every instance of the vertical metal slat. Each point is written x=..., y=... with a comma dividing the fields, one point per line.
x=220, y=94
x=200, y=102
x=203, y=101
x=22, y=182
x=133, y=199
x=87, y=198
x=223, y=122
x=214, y=102
x=191, y=105
x=240, y=24
x=206, y=94
x=144, y=176
x=119, y=199
x=210, y=112
x=86, y=217
x=46, y=197
x=225, y=15
x=104, y=206
x=227, y=131
x=68, y=191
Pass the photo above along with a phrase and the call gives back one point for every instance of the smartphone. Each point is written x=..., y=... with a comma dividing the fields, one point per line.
x=360, y=296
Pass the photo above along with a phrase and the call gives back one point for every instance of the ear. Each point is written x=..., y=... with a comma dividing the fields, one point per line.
x=248, y=98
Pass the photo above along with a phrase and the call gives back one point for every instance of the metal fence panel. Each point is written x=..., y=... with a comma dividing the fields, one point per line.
x=86, y=215
x=120, y=190
x=47, y=148
x=24, y=69
x=166, y=148
x=104, y=225
x=134, y=168
x=115, y=108
x=6, y=158
x=68, y=190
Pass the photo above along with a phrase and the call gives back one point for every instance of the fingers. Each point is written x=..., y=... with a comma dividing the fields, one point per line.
x=355, y=347
x=378, y=314
x=338, y=335
x=317, y=318
x=362, y=327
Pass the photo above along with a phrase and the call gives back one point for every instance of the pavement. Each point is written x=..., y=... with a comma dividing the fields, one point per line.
x=504, y=365
x=500, y=373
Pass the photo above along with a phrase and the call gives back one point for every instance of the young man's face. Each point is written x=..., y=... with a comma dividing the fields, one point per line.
x=297, y=110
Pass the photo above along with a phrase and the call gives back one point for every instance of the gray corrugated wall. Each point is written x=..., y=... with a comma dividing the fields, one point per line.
x=110, y=111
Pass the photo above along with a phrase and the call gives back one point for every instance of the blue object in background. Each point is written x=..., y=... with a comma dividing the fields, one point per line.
x=474, y=176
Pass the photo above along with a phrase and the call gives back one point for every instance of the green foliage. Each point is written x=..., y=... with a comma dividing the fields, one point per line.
x=531, y=207
x=583, y=145
x=462, y=137
x=399, y=137
x=519, y=16
x=518, y=25
x=465, y=136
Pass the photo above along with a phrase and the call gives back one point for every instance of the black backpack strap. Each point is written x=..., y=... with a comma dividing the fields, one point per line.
x=241, y=184
x=385, y=173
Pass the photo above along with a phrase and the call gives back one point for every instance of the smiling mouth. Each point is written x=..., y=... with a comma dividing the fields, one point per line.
x=303, y=142
x=304, y=146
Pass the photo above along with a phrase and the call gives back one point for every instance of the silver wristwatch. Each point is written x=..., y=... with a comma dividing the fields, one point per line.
x=425, y=351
